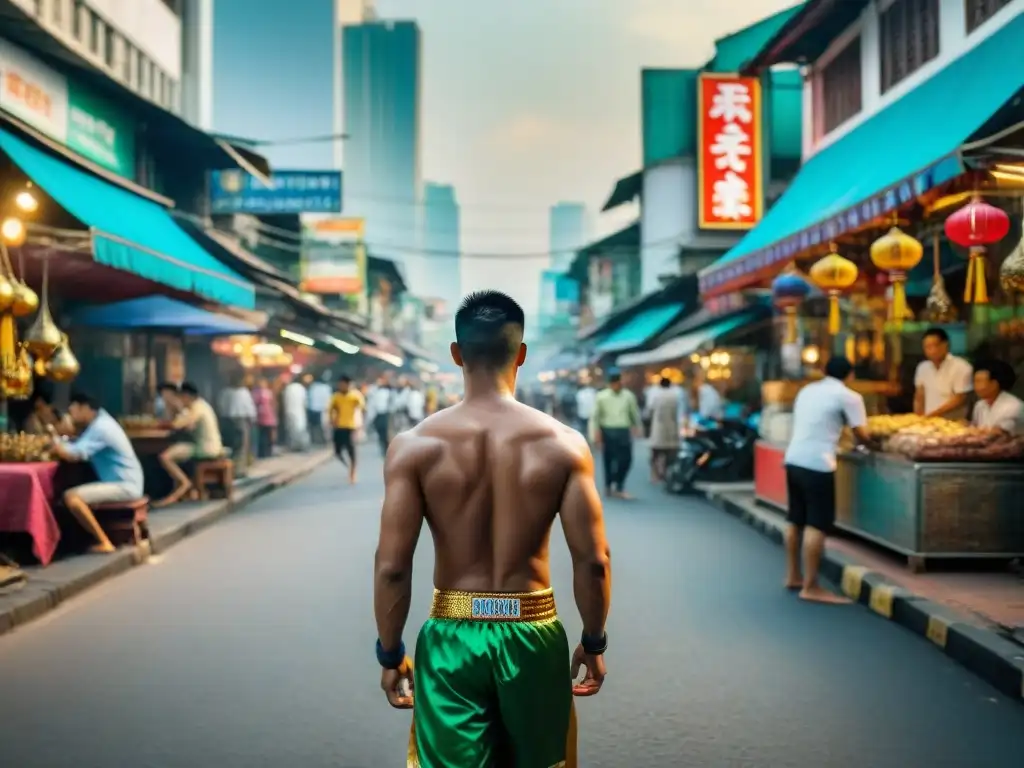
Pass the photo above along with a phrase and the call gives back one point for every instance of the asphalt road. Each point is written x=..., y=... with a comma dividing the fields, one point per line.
x=251, y=645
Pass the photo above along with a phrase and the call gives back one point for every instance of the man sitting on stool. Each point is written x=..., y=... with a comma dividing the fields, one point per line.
x=198, y=418
x=103, y=443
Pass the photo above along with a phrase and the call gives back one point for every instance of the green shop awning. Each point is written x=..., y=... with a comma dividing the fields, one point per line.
x=688, y=343
x=131, y=233
x=894, y=156
x=640, y=329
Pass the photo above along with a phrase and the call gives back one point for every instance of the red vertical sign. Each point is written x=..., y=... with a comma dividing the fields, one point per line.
x=729, y=152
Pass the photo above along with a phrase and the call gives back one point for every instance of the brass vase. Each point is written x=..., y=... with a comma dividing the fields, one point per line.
x=24, y=300
x=63, y=366
x=43, y=336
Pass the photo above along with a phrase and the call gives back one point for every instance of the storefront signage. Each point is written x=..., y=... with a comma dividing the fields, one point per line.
x=334, y=258
x=289, y=192
x=33, y=92
x=98, y=132
x=730, y=155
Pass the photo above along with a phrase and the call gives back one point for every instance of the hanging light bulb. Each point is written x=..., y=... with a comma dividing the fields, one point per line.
x=26, y=201
x=13, y=231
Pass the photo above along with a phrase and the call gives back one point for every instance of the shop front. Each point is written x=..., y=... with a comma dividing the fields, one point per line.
x=840, y=252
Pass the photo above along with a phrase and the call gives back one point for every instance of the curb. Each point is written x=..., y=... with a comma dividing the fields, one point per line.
x=38, y=596
x=966, y=640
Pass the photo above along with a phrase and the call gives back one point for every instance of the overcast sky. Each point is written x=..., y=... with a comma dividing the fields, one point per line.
x=525, y=103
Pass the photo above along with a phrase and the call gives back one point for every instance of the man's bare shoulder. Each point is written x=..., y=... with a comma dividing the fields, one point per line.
x=410, y=450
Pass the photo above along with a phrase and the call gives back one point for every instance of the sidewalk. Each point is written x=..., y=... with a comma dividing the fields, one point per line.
x=46, y=588
x=975, y=618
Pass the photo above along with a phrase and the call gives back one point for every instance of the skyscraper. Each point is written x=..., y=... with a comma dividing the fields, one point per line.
x=441, y=244
x=381, y=78
x=568, y=232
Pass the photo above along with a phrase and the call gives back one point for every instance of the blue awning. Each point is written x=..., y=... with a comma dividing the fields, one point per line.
x=688, y=343
x=159, y=313
x=641, y=328
x=894, y=156
x=129, y=232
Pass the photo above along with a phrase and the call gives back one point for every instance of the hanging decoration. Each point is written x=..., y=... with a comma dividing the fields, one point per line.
x=939, y=306
x=789, y=290
x=974, y=227
x=63, y=366
x=897, y=253
x=43, y=336
x=834, y=275
x=16, y=300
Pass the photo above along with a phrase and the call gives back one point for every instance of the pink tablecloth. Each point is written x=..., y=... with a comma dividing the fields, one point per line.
x=26, y=491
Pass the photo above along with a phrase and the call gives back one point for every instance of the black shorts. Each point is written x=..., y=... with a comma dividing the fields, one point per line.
x=344, y=440
x=812, y=497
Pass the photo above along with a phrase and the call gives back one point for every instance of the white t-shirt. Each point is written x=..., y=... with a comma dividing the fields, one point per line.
x=954, y=376
x=820, y=412
x=585, y=402
x=415, y=404
x=381, y=400
x=1006, y=413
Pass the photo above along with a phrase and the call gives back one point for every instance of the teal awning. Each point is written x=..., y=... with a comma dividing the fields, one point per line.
x=890, y=159
x=129, y=232
x=627, y=189
x=641, y=328
x=688, y=343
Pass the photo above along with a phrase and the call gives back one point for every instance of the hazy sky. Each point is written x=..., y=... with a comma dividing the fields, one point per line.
x=525, y=103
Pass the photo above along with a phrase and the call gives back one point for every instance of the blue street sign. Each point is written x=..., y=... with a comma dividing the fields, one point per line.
x=291, y=192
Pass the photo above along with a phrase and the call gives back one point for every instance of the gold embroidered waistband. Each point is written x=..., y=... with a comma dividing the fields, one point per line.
x=528, y=607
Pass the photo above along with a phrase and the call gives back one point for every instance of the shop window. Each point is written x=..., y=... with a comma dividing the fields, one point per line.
x=94, y=33
x=841, y=87
x=140, y=71
x=77, y=12
x=153, y=72
x=977, y=12
x=109, y=41
x=908, y=39
x=57, y=12
x=126, y=63
x=37, y=7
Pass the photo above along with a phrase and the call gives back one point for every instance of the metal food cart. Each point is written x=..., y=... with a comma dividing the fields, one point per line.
x=932, y=509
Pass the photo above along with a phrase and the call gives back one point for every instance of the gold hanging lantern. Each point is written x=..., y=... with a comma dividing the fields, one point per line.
x=6, y=292
x=63, y=366
x=24, y=300
x=834, y=275
x=43, y=336
x=18, y=378
x=897, y=253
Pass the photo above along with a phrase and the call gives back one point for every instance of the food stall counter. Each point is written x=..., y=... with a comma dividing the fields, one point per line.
x=932, y=509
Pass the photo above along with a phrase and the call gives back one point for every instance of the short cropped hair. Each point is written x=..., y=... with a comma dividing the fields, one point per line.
x=81, y=398
x=489, y=329
x=1000, y=372
x=937, y=333
x=838, y=368
x=188, y=388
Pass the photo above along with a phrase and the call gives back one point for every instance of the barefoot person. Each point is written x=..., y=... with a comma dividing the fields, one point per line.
x=490, y=475
x=819, y=413
x=197, y=418
x=345, y=406
x=103, y=443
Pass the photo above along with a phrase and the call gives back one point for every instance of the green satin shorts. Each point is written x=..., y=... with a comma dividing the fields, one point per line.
x=492, y=684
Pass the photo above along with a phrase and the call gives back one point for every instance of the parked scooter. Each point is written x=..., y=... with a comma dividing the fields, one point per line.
x=719, y=454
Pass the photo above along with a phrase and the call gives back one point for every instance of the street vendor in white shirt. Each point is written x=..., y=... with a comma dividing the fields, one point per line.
x=943, y=381
x=996, y=407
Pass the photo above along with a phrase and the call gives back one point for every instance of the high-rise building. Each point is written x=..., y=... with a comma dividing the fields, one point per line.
x=568, y=231
x=381, y=77
x=441, y=244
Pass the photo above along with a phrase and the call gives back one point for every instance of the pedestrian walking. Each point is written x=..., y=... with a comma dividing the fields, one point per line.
x=490, y=678
x=663, y=408
x=380, y=404
x=318, y=399
x=266, y=418
x=585, y=397
x=345, y=406
x=296, y=422
x=238, y=412
x=820, y=411
x=616, y=419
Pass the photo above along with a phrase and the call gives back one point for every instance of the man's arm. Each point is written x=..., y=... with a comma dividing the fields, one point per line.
x=634, y=412
x=82, y=449
x=583, y=524
x=400, y=521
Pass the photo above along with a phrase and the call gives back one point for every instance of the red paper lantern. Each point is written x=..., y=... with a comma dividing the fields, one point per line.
x=976, y=226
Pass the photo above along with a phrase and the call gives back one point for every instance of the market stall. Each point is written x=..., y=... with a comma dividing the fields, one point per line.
x=936, y=489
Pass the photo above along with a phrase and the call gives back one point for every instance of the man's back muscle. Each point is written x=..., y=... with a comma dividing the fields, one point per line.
x=492, y=475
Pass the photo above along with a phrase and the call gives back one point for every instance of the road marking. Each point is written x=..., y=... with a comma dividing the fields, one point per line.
x=938, y=631
x=881, y=599
x=853, y=580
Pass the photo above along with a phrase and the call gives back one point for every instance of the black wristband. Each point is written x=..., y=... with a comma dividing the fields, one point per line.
x=391, y=659
x=594, y=645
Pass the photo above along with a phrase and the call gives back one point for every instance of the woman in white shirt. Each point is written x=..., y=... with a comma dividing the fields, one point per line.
x=996, y=407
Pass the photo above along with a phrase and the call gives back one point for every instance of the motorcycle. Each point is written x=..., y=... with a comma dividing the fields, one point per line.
x=720, y=454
